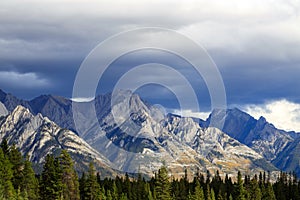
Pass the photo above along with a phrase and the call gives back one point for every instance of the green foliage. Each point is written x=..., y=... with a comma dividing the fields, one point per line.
x=199, y=194
x=240, y=190
x=69, y=179
x=59, y=181
x=16, y=159
x=29, y=184
x=51, y=186
x=6, y=176
x=254, y=190
x=162, y=185
x=92, y=187
x=5, y=147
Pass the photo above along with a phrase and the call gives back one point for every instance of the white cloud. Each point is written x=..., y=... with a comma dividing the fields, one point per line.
x=19, y=80
x=282, y=113
x=83, y=99
x=190, y=113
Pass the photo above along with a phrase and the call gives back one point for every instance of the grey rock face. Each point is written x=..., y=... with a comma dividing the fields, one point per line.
x=37, y=136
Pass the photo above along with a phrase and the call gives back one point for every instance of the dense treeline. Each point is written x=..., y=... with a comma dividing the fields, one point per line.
x=59, y=180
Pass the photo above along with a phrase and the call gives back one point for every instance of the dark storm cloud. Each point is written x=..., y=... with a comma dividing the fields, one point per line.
x=255, y=44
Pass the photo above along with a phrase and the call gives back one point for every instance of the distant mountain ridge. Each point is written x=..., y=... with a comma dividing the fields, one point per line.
x=171, y=133
x=263, y=137
x=36, y=136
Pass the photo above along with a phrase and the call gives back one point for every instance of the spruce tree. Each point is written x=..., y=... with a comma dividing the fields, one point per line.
x=207, y=192
x=92, y=188
x=70, y=189
x=162, y=184
x=5, y=147
x=213, y=196
x=16, y=159
x=255, y=192
x=199, y=194
x=82, y=185
x=114, y=191
x=6, y=176
x=108, y=195
x=51, y=185
x=240, y=190
x=269, y=193
x=29, y=185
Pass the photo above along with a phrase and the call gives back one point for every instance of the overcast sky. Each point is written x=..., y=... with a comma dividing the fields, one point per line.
x=255, y=45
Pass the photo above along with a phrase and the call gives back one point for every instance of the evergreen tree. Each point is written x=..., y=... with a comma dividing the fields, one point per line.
x=6, y=176
x=29, y=185
x=102, y=195
x=108, y=195
x=142, y=190
x=51, y=185
x=114, y=191
x=82, y=185
x=254, y=193
x=123, y=197
x=199, y=194
x=217, y=183
x=213, y=196
x=269, y=193
x=5, y=147
x=127, y=187
x=240, y=190
x=207, y=193
x=70, y=190
x=162, y=185
x=16, y=159
x=229, y=188
x=92, y=188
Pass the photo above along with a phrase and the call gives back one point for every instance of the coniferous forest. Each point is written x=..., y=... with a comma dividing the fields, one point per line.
x=59, y=180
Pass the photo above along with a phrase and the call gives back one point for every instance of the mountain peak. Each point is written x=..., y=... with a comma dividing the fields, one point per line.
x=37, y=136
x=20, y=112
x=20, y=109
x=3, y=110
x=262, y=119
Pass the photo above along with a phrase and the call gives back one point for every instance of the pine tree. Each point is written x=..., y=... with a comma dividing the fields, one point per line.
x=123, y=197
x=213, y=196
x=6, y=176
x=5, y=147
x=114, y=191
x=269, y=193
x=102, y=195
x=51, y=185
x=240, y=190
x=150, y=196
x=16, y=159
x=162, y=185
x=207, y=192
x=92, y=187
x=69, y=177
x=108, y=195
x=199, y=194
x=254, y=193
x=29, y=185
x=82, y=185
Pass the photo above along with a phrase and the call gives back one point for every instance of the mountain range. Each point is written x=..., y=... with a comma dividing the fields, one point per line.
x=130, y=135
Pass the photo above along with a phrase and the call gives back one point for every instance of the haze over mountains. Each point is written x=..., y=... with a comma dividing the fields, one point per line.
x=141, y=141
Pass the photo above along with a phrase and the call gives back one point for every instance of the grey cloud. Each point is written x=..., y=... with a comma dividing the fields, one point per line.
x=255, y=44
